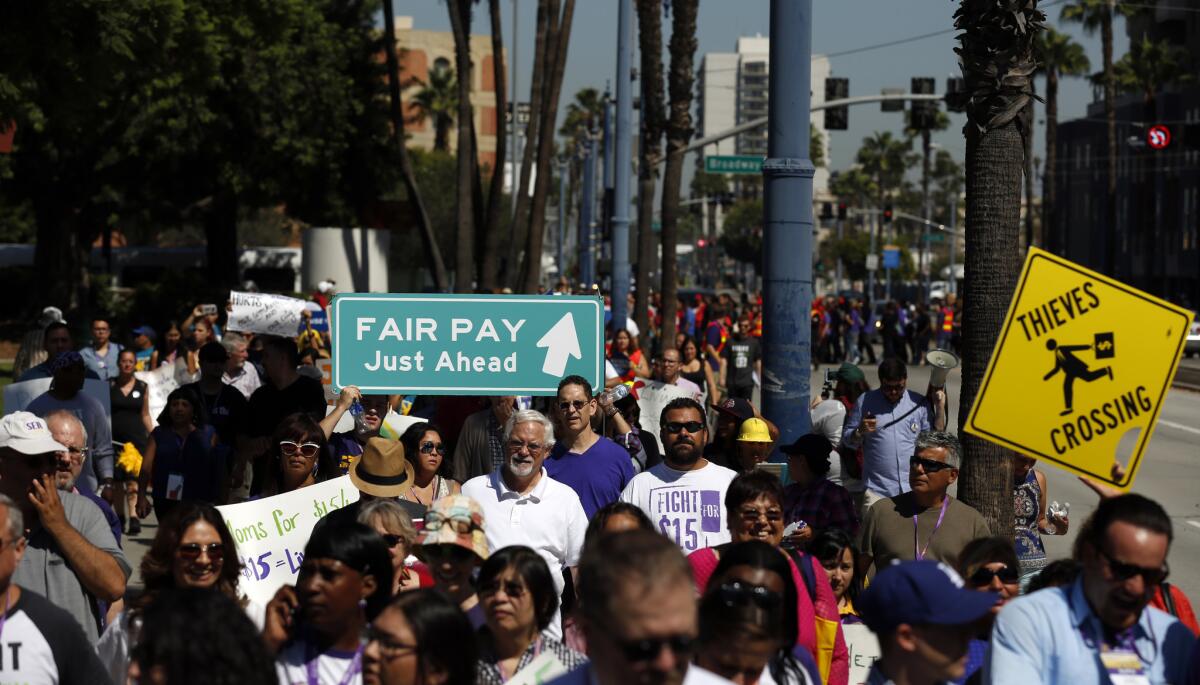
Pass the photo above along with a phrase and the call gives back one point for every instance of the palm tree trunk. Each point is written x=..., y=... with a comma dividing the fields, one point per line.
x=1110, y=114
x=433, y=255
x=650, y=45
x=1029, y=171
x=493, y=240
x=464, y=258
x=1049, y=166
x=679, y=132
x=557, y=50
x=511, y=270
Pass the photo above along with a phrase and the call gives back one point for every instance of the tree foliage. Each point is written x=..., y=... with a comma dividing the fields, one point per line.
x=438, y=100
x=1150, y=66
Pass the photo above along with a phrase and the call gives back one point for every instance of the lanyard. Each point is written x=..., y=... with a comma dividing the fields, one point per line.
x=920, y=553
x=537, y=650
x=310, y=666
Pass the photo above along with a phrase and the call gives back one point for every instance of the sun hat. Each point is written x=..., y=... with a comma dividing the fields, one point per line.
x=382, y=470
x=454, y=520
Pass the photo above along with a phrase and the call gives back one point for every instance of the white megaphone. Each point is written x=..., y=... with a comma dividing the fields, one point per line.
x=941, y=361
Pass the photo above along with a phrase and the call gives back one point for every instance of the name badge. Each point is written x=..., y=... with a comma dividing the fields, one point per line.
x=175, y=486
x=1124, y=667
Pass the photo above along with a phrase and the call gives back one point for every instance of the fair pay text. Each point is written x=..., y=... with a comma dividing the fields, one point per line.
x=426, y=329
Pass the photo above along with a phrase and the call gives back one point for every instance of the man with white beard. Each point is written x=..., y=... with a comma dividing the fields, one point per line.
x=524, y=506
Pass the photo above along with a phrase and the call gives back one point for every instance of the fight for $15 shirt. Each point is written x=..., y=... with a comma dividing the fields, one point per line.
x=686, y=506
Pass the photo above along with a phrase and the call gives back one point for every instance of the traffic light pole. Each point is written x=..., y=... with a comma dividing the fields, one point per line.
x=622, y=153
x=788, y=221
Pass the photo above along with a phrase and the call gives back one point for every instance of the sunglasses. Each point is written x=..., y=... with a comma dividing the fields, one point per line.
x=462, y=526
x=692, y=427
x=929, y=465
x=430, y=448
x=984, y=576
x=392, y=540
x=577, y=405
x=1122, y=571
x=737, y=593
x=641, y=651
x=289, y=448
x=513, y=590
x=192, y=550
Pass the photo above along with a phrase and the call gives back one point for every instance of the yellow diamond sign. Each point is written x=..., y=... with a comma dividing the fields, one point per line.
x=1080, y=371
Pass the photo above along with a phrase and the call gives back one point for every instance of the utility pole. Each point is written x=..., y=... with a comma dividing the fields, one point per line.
x=622, y=153
x=607, y=209
x=563, y=172
x=837, y=278
x=871, y=251
x=787, y=240
x=587, y=206
x=953, y=241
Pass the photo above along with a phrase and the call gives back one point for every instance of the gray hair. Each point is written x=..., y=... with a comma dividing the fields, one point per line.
x=64, y=415
x=393, y=517
x=16, y=522
x=529, y=416
x=231, y=340
x=943, y=439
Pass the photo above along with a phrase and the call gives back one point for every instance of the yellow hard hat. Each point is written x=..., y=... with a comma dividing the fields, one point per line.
x=754, y=430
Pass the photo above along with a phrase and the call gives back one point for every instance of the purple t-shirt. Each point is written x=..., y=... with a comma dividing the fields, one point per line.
x=598, y=475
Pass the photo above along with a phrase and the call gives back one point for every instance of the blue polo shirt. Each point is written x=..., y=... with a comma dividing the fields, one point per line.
x=886, y=451
x=598, y=475
x=1052, y=636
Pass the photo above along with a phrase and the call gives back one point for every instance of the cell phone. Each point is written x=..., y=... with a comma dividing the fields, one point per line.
x=794, y=527
x=831, y=376
x=208, y=309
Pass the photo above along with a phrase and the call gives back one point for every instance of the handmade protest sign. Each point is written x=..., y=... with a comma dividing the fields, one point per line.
x=652, y=397
x=863, y=647
x=160, y=383
x=271, y=533
x=17, y=396
x=264, y=313
x=1080, y=371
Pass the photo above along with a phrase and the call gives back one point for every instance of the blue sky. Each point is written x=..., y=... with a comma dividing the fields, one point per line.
x=839, y=25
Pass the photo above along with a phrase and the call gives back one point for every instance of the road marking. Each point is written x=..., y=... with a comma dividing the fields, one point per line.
x=1180, y=426
x=1193, y=522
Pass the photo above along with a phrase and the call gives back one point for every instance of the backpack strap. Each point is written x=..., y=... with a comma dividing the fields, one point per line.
x=1168, y=600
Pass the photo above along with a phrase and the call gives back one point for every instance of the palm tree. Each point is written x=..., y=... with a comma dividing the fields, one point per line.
x=653, y=119
x=1093, y=15
x=583, y=115
x=682, y=47
x=511, y=271
x=996, y=53
x=464, y=258
x=438, y=100
x=1057, y=56
x=492, y=239
x=1149, y=66
x=885, y=159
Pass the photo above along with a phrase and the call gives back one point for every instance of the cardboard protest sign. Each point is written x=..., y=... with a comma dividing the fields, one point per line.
x=864, y=651
x=266, y=314
x=1080, y=371
x=17, y=396
x=160, y=383
x=271, y=533
x=652, y=397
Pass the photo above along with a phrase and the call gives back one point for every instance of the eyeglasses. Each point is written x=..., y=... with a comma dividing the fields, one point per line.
x=517, y=446
x=984, y=576
x=392, y=540
x=893, y=387
x=289, y=448
x=76, y=453
x=512, y=589
x=641, y=651
x=692, y=427
x=192, y=551
x=389, y=646
x=671, y=362
x=750, y=515
x=462, y=526
x=429, y=448
x=737, y=593
x=1122, y=571
x=929, y=465
x=577, y=405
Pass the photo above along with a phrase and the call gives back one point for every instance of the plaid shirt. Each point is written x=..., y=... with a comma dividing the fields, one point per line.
x=495, y=438
x=488, y=673
x=822, y=505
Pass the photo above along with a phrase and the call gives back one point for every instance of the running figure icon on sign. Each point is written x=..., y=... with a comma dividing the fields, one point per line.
x=1074, y=368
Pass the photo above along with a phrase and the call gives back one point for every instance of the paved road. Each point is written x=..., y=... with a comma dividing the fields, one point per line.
x=1170, y=475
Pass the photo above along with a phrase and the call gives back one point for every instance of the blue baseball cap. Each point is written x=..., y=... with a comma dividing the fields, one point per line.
x=921, y=593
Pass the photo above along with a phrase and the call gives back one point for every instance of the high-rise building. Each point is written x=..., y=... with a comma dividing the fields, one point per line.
x=733, y=90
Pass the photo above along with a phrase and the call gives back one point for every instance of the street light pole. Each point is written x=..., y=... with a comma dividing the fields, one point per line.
x=787, y=243
x=622, y=153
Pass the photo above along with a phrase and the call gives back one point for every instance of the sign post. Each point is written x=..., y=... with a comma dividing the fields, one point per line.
x=1080, y=371
x=465, y=344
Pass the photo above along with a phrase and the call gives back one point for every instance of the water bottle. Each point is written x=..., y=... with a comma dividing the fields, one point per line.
x=356, y=411
x=616, y=393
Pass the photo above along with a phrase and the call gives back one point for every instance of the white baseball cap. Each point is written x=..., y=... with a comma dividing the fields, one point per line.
x=27, y=433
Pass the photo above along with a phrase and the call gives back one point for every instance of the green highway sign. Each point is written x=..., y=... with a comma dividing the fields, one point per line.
x=465, y=344
x=733, y=164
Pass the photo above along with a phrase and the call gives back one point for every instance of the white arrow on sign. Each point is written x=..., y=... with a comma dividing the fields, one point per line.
x=560, y=342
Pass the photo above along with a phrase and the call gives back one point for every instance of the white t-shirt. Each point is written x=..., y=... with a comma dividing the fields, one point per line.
x=291, y=666
x=828, y=418
x=549, y=519
x=687, y=506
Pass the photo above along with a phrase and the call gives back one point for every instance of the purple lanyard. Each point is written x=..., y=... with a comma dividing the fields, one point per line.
x=310, y=666
x=920, y=553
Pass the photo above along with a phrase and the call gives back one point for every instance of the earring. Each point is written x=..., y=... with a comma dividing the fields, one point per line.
x=362, y=604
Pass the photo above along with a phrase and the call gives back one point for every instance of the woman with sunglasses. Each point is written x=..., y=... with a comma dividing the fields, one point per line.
x=395, y=526
x=838, y=554
x=518, y=598
x=299, y=457
x=426, y=451
x=316, y=628
x=192, y=549
x=181, y=460
x=421, y=638
x=754, y=502
x=988, y=565
x=452, y=544
x=747, y=633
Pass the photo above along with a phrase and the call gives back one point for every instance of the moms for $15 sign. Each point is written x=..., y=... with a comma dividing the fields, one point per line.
x=1081, y=370
x=465, y=344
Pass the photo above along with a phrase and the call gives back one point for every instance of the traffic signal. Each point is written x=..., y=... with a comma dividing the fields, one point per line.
x=841, y=211
x=956, y=94
x=701, y=243
x=837, y=118
x=924, y=112
x=826, y=211
x=887, y=213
